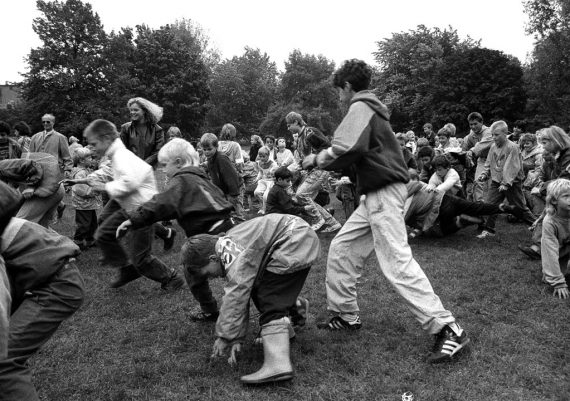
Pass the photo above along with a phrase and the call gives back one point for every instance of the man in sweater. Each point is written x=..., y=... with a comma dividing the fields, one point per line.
x=365, y=141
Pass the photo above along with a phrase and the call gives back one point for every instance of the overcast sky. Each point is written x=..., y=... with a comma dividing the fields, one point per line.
x=339, y=30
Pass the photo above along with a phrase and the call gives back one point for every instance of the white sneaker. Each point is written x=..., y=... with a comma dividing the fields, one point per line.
x=318, y=224
x=485, y=234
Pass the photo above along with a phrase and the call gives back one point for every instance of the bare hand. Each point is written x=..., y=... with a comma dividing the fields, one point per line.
x=219, y=348
x=503, y=188
x=431, y=188
x=122, y=229
x=482, y=177
x=561, y=293
x=535, y=191
x=236, y=348
x=96, y=185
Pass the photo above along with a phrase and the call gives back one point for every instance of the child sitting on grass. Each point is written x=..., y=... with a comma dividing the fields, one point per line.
x=278, y=199
x=555, y=241
x=445, y=178
x=85, y=201
x=194, y=201
x=265, y=177
x=267, y=260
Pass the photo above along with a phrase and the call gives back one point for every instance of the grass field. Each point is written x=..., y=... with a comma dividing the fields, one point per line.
x=136, y=343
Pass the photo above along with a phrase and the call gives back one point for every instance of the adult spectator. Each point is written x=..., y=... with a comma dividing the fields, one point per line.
x=23, y=133
x=144, y=137
x=9, y=148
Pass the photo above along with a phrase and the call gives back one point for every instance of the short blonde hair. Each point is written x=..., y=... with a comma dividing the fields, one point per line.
x=81, y=154
x=179, y=148
x=554, y=190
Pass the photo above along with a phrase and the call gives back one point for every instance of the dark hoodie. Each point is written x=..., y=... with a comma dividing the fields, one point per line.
x=365, y=141
x=190, y=198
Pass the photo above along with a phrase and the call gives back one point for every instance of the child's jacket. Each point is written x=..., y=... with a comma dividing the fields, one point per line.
x=190, y=198
x=281, y=244
x=83, y=196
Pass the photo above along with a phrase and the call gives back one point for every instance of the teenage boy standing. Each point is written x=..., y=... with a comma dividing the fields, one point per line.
x=364, y=140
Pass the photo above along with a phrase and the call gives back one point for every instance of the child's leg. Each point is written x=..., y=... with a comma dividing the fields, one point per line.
x=113, y=252
x=90, y=238
x=260, y=191
x=140, y=246
x=495, y=197
x=82, y=225
x=516, y=198
x=269, y=185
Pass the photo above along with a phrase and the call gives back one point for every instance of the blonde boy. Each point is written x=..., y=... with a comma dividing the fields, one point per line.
x=555, y=241
x=194, y=201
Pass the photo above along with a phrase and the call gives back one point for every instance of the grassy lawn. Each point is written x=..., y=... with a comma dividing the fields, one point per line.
x=136, y=343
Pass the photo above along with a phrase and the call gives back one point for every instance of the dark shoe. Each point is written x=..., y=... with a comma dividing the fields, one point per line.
x=169, y=242
x=204, y=317
x=174, y=283
x=528, y=251
x=338, y=323
x=447, y=344
x=126, y=275
x=300, y=318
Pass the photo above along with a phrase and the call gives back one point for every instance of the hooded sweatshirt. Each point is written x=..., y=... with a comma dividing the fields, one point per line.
x=365, y=141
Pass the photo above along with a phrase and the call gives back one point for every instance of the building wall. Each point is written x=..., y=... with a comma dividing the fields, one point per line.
x=9, y=95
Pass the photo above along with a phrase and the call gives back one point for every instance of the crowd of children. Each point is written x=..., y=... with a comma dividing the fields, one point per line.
x=400, y=187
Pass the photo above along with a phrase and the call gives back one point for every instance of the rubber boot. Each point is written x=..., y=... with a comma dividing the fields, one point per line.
x=276, y=359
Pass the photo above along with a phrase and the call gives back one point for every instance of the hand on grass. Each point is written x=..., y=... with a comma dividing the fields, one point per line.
x=122, y=229
x=236, y=348
x=219, y=348
x=561, y=293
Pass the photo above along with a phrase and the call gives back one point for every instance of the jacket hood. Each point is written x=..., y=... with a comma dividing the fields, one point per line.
x=373, y=102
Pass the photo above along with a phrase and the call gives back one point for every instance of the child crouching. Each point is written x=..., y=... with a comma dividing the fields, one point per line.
x=266, y=260
x=555, y=241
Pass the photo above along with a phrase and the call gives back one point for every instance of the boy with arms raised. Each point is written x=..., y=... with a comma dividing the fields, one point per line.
x=267, y=260
x=194, y=201
x=365, y=141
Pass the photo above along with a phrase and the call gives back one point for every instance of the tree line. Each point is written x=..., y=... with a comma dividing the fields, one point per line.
x=80, y=73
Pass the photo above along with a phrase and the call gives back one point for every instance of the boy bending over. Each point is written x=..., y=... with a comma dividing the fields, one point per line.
x=267, y=260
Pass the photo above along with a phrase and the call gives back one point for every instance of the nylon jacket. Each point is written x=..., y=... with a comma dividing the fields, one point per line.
x=365, y=140
x=279, y=243
x=190, y=198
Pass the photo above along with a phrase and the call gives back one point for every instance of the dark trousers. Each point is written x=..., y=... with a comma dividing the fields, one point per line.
x=200, y=288
x=274, y=295
x=137, y=245
x=514, y=196
x=452, y=206
x=85, y=225
x=32, y=324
